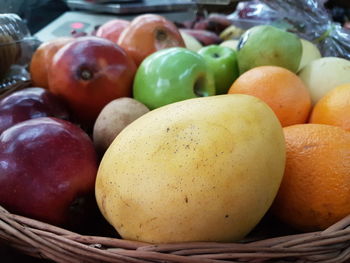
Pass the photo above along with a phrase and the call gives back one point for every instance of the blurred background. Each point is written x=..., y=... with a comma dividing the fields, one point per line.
x=39, y=13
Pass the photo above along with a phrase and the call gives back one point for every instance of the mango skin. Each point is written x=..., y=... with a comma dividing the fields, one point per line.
x=203, y=169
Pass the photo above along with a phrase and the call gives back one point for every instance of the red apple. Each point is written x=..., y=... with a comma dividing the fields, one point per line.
x=147, y=34
x=30, y=103
x=112, y=29
x=47, y=167
x=90, y=72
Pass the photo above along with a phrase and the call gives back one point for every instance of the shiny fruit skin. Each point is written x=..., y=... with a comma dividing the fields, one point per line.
x=112, y=29
x=148, y=33
x=265, y=45
x=46, y=165
x=315, y=190
x=280, y=88
x=333, y=108
x=89, y=73
x=172, y=75
x=30, y=103
x=223, y=63
x=41, y=60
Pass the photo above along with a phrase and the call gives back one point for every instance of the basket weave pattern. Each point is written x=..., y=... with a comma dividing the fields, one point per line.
x=42, y=240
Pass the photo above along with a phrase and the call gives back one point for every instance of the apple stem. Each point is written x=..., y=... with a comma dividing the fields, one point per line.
x=198, y=87
x=161, y=35
x=86, y=74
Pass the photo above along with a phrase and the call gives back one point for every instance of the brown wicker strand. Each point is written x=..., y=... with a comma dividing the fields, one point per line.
x=90, y=251
x=199, y=245
x=323, y=257
x=30, y=251
x=302, y=240
x=35, y=224
x=271, y=255
x=58, y=253
x=243, y=249
x=165, y=257
x=113, y=242
x=340, y=256
x=43, y=240
x=46, y=248
x=345, y=238
x=340, y=225
x=108, y=242
x=275, y=241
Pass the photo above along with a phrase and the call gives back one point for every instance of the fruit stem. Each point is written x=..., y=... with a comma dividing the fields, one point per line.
x=161, y=35
x=86, y=74
x=198, y=87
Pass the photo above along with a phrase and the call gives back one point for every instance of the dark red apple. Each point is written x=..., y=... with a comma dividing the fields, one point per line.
x=30, y=103
x=47, y=167
x=148, y=33
x=112, y=29
x=90, y=72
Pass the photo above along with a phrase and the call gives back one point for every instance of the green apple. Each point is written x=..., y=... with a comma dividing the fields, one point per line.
x=268, y=45
x=171, y=75
x=223, y=63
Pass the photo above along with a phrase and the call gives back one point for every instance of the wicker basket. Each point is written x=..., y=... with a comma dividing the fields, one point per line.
x=46, y=241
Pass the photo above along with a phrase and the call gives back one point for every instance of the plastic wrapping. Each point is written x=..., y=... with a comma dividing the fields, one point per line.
x=252, y=13
x=16, y=49
x=307, y=18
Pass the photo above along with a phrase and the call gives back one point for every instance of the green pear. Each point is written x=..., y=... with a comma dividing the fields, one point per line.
x=268, y=45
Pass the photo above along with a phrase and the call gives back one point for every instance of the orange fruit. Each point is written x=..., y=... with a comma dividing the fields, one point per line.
x=315, y=189
x=280, y=88
x=333, y=108
x=42, y=58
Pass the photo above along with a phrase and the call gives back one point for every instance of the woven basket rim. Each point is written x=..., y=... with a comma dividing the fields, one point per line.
x=42, y=240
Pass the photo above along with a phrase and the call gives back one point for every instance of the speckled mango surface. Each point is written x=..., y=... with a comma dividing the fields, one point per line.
x=204, y=169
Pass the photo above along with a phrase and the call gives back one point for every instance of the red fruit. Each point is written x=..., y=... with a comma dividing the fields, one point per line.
x=89, y=73
x=47, y=167
x=147, y=34
x=112, y=29
x=30, y=103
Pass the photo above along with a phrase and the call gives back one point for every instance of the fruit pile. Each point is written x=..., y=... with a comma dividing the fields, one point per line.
x=175, y=137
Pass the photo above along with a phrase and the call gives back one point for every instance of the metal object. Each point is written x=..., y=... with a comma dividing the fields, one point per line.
x=131, y=7
x=82, y=21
